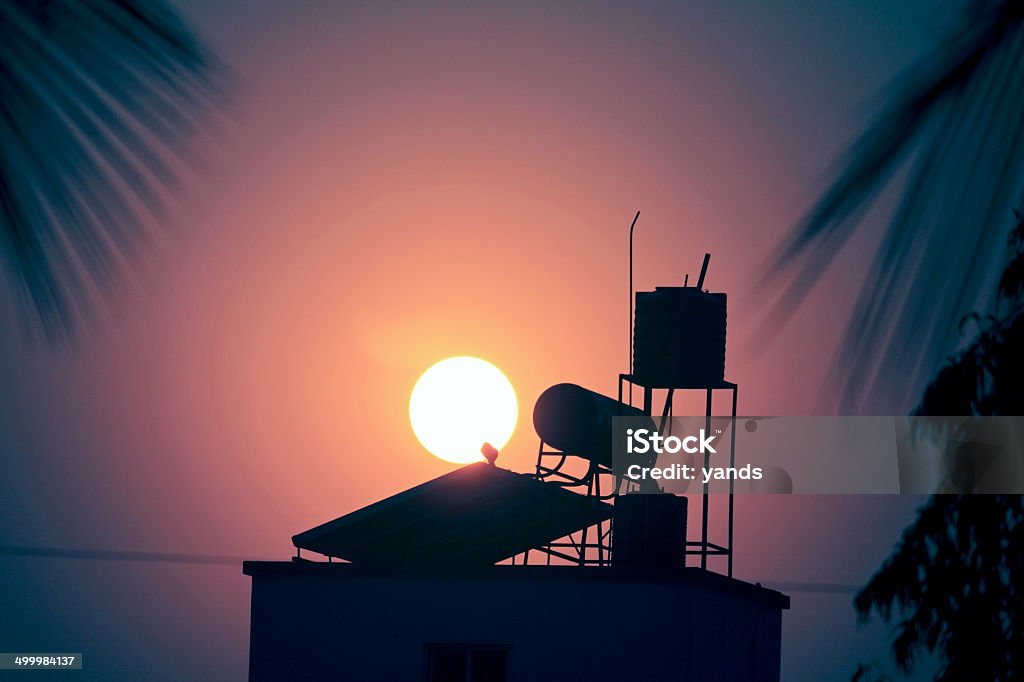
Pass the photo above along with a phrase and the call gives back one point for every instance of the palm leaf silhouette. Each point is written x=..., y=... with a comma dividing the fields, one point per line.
x=99, y=101
x=955, y=123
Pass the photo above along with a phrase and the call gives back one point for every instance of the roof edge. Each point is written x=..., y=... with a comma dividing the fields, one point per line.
x=692, y=575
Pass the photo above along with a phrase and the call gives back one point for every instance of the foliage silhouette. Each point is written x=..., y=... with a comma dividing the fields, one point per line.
x=955, y=582
x=955, y=124
x=98, y=103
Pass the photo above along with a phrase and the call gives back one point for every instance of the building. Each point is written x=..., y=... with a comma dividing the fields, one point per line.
x=337, y=621
x=422, y=600
x=436, y=584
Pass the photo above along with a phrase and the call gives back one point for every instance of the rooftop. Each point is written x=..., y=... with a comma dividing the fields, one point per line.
x=688, y=576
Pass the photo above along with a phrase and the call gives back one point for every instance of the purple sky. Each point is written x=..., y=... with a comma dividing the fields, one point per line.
x=399, y=184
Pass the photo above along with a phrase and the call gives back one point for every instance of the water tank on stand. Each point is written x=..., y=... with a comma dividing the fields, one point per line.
x=679, y=338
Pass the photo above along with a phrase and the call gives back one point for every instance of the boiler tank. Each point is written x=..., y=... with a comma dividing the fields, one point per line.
x=579, y=422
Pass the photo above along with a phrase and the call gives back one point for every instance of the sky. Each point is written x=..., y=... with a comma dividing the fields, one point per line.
x=397, y=183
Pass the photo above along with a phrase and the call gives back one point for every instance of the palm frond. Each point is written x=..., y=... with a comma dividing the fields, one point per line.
x=957, y=121
x=100, y=102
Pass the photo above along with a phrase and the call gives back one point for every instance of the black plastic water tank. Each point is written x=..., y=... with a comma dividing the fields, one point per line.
x=679, y=338
x=649, y=531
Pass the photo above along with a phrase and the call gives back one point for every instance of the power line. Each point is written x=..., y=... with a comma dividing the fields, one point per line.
x=120, y=555
x=819, y=588
x=236, y=561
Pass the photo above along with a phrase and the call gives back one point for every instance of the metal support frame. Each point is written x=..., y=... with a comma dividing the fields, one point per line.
x=581, y=547
x=599, y=481
x=703, y=548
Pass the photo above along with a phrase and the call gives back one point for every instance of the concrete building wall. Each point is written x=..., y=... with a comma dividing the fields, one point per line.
x=565, y=624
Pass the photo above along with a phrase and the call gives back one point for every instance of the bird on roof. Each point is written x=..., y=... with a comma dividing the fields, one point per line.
x=489, y=452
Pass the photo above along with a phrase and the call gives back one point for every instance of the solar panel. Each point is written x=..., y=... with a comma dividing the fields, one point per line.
x=476, y=515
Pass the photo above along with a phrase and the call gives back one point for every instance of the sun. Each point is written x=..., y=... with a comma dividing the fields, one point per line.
x=458, y=405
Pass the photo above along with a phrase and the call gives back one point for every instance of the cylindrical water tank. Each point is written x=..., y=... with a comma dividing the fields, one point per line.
x=679, y=338
x=578, y=421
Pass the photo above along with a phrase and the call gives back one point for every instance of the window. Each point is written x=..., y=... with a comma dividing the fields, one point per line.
x=467, y=663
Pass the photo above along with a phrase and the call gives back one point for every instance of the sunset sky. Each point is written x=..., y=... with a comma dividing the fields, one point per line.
x=397, y=183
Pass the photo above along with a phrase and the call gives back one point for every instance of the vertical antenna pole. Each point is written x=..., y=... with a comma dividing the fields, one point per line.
x=631, y=226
